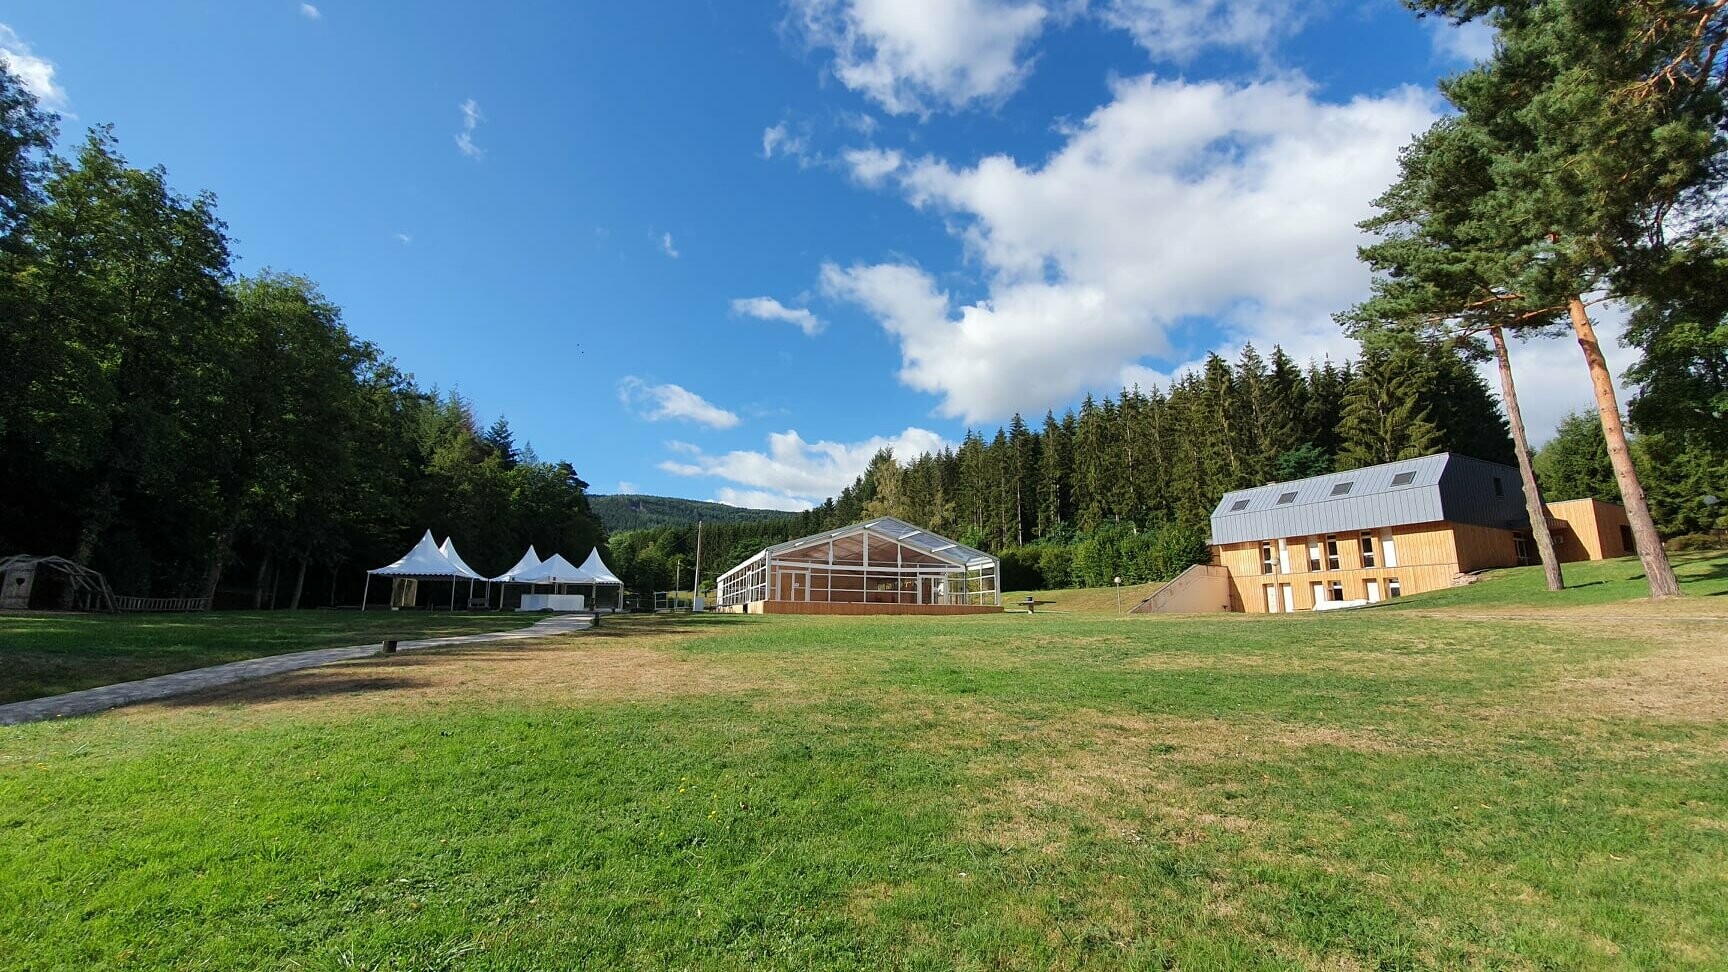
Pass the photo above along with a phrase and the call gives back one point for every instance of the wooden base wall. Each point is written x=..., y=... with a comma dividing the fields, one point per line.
x=837, y=608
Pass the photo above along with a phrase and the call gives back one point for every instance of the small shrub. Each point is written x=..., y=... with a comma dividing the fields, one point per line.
x=1697, y=541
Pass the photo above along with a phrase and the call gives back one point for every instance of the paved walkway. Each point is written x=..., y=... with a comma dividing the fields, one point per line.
x=199, y=679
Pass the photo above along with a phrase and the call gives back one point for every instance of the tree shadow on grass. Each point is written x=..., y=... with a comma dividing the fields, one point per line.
x=640, y=625
x=305, y=685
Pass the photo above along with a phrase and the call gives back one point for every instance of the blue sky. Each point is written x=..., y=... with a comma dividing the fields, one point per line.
x=728, y=250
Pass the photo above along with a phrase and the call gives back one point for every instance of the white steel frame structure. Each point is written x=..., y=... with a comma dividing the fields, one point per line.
x=882, y=561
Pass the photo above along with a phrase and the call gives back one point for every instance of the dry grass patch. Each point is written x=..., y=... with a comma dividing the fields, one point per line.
x=577, y=668
x=1685, y=681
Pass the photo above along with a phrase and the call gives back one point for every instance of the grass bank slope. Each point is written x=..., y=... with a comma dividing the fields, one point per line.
x=1703, y=576
x=1342, y=791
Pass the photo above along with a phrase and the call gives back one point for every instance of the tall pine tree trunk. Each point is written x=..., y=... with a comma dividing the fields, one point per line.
x=1657, y=570
x=219, y=559
x=258, y=584
x=1521, y=444
x=299, y=586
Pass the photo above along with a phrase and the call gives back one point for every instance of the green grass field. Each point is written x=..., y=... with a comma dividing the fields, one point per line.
x=1372, y=789
x=46, y=654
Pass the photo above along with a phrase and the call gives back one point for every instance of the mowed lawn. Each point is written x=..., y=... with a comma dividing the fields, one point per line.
x=1427, y=787
x=47, y=653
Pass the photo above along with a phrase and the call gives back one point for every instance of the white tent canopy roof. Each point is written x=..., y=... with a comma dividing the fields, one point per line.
x=425, y=560
x=596, y=569
x=553, y=570
x=529, y=561
x=450, y=554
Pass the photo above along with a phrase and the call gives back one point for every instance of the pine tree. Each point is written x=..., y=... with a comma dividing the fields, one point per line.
x=1023, y=467
x=1052, y=477
x=1584, y=152
x=1385, y=418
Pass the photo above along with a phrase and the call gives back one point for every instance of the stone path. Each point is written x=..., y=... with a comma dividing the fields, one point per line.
x=199, y=679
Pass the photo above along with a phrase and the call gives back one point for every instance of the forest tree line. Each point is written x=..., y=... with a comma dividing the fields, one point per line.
x=1124, y=485
x=172, y=423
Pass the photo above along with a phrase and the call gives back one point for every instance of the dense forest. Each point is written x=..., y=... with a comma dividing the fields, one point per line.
x=186, y=430
x=629, y=511
x=172, y=423
x=1124, y=486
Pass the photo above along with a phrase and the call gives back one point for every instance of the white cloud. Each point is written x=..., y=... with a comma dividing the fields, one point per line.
x=661, y=402
x=471, y=119
x=910, y=56
x=667, y=247
x=1172, y=204
x=801, y=471
x=769, y=309
x=1466, y=43
x=781, y=140
x=625, y=486
x=310, y=12
x=36, y=73
x=1177, y=30
x=870, y=166
x=761, y=499
x=404, y=238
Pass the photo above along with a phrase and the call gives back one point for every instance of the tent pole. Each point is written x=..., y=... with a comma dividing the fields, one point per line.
x=452, y=593
x=366, y=590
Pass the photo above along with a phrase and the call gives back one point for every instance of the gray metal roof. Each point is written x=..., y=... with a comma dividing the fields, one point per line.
x=917, y=537
x=1445, y=486
x=899, y=530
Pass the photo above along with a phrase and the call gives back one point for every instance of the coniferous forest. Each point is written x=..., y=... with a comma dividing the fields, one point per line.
x=187, y=430
x=1123, y=486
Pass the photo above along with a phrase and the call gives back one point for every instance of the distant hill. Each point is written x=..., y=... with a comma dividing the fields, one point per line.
x=630, y=512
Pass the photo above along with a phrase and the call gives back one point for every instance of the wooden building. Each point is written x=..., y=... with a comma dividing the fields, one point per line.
x=1366, y=535
x=883, y=566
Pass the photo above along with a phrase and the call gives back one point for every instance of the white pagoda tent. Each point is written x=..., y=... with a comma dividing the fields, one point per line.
x=448, y=549
x=425, y=562
x=553, y=570
x=601, y=576
x=557, y=572
x=529, y=561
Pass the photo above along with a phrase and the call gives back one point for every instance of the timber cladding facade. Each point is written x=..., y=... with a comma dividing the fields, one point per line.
x=1366, y=535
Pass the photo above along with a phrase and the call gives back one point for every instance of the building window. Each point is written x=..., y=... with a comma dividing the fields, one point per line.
x=1266, y=557
x=1285, y=499
x=1367, y=549
x=1626, y=542
x=1342, y=488
x=1499, y=487
x=1238, y=506
x=1389, y=549
x=1521, y=544
x=1313, y=555
x=1392, y=588
x=1331, y=552
x=1336, y=591
x=1404, y=479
